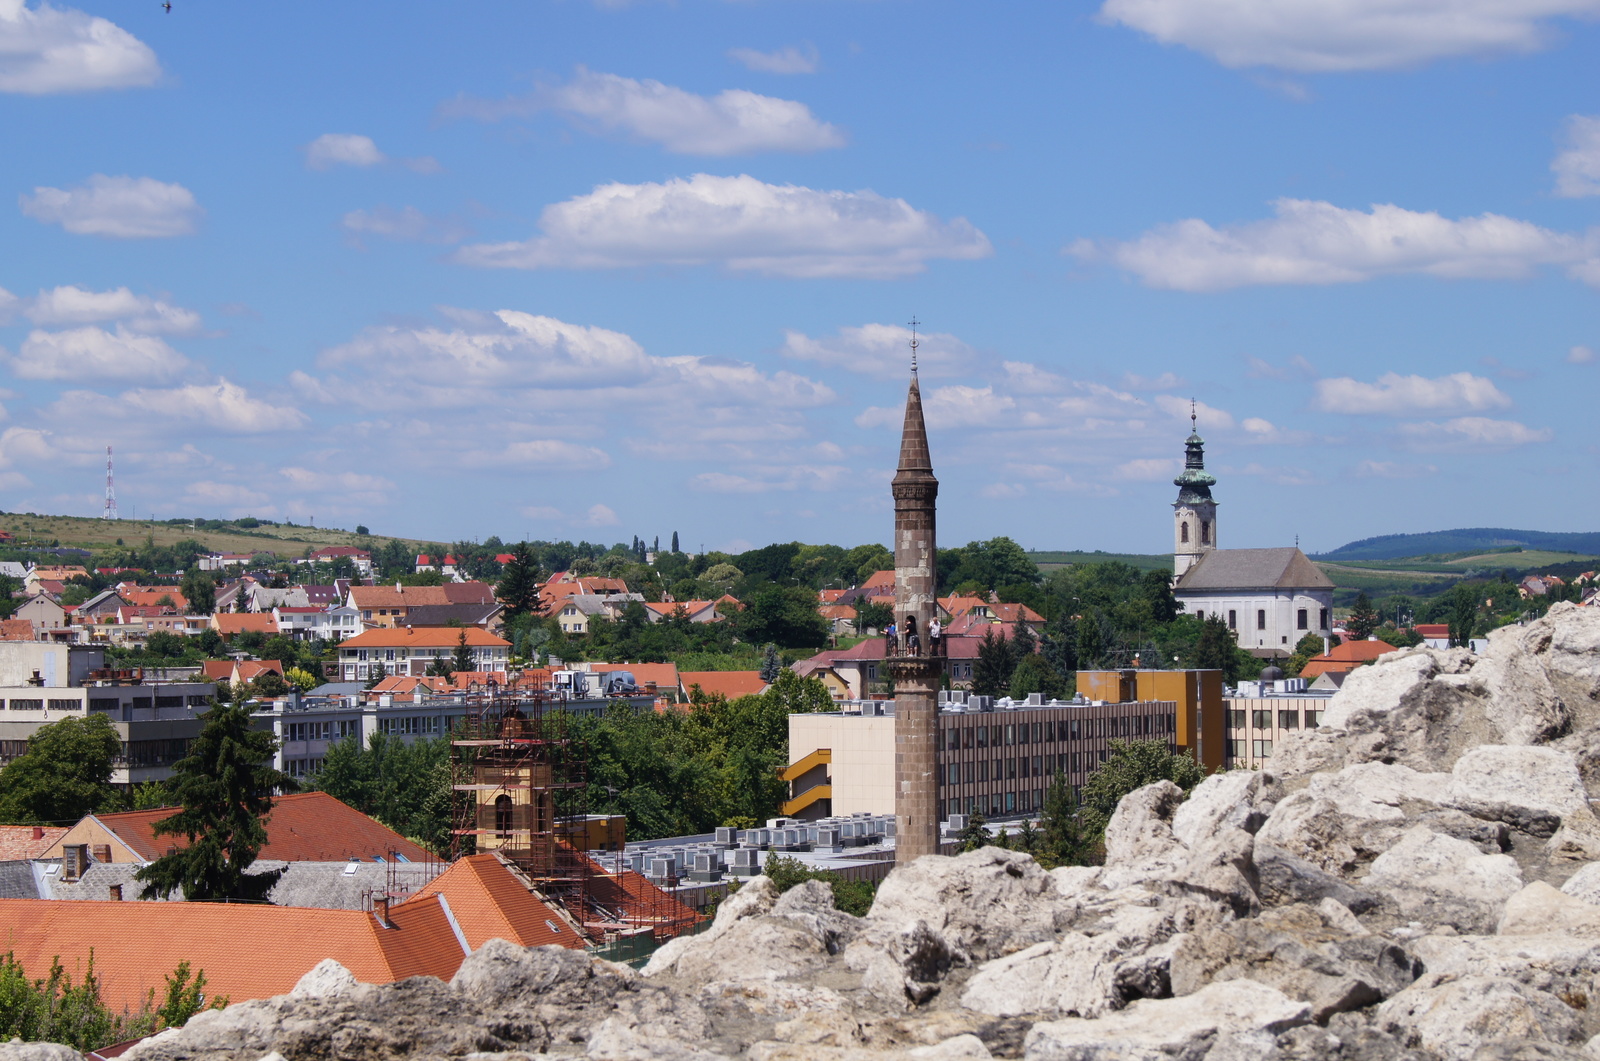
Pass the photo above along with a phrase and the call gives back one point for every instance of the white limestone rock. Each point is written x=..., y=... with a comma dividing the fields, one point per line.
x=1239, y=1019
x=1531, y=789
x=1139, y=834
x=1585, y=884
x=984, y=903
x=1239, y=799
x=326, y=979
x=1439, y=880
x=1343, y=819
x=1457, y=1016
x=1540, y=910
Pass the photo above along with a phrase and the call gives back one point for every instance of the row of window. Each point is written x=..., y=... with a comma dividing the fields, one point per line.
x=1260, y=718
x=956, y=738
x=969, y=773
x=410, y=725
x=1259, y=749
x=1302, y=619
x=302, y=768
x=336, y=729
x=996, y=803
x=389, y=655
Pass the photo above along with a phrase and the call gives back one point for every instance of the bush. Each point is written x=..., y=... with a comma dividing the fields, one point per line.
x=850, y=896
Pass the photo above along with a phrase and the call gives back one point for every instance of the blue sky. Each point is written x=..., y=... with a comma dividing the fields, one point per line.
x=590, y=270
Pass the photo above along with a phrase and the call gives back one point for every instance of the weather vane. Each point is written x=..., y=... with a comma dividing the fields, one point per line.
x=914, y=344
x=1194, y=423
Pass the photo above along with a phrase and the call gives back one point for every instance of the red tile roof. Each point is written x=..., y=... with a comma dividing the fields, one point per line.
x=416, y=596
x=16, y=630
x=304, y=827
x=424, y=637
x=246, y=950
x=490, y=901
x=1346, y=657
x=879, y=580
x=730, y=683
x=230, y=623
x=147, y=596
x=17, y=842
x=1432, y=630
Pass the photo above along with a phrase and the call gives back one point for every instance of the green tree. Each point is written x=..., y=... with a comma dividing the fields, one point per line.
x=852, y=897
x=1306, y=649
x=463, y=661
x=518, y=590
x=1217, y=644
x=872, y=615
x=1363, y=618
x=973, y=835
x=377, y=675
x=223, y=789
x=1463, y=615
x=1132, y=764
x=200, y=590
x=786, y=616
x=991, y=672
x=1023, y=641
x=270, y=684
x=301, y=679
x=64, y=775
x=1091, y=646
x=675, y=542
x=771, y=664
x=1064, y=840
x=1035, y=675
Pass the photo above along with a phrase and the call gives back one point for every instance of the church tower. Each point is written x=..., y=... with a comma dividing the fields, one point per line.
x=1194, y=514
x=916, y=675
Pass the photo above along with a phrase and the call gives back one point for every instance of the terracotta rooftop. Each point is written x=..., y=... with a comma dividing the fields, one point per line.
x=490, y=901
x=18, y=841
x=304, y=827
x=409, y=596
x=246, y=950
x=1346, y=657
x=424, y=637
x=730, y=683
x=229, y=623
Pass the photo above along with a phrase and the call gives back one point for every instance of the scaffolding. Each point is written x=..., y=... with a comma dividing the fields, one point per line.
x=519, y=781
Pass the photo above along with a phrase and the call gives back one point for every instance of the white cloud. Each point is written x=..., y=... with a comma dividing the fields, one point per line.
x=1282, y=476
x=231, y=498
x=8, y=305
x=1003, y=491
x=882, y=350
x=1318, y=36
x=1397, y=395
x=963, y=406
x=1371, y=469
x=222, y=405
x=600, y=516
x=1577, y=169
x=48, y=49
x=353, y=149
x=1319, y=243
x=1471, y=432
x=773, y=478
x=71, y=304
x=92, y=354
x=734, y=122
x=345, y=486
x=1149, y=469
x=1165, y=382
x=543, y=453
x=1580, y=355
x=118, y=207
x=789, y=60
x=542, y=512
x=741, y=223
x=343, y=149
x=407, y=224
x=1206, y=416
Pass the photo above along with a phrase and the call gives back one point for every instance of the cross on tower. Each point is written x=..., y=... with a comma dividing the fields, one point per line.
x=1194, y=422
x=914, y=344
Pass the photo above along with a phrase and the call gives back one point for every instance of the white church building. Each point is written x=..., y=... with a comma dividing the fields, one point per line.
x=1270, y=598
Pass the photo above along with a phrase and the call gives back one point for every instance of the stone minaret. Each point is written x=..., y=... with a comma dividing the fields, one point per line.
x=1194, y=514
x=916, y=678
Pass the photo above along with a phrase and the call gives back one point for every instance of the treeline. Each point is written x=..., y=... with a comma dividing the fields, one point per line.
x=53, y=1009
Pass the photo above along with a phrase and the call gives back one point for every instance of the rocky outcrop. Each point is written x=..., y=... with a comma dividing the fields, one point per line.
x=1418, y=880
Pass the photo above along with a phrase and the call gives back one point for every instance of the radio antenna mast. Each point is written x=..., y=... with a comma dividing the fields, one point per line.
x=110, y=511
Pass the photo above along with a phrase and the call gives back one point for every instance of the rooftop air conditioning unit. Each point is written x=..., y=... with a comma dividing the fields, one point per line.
x=660, y=869
x=958, y=822
x=707, y=867
x=828, y=839
x=746, y=863
x=727, y=836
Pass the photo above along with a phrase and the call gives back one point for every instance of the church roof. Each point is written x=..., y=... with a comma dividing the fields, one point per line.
x=915, y=461
x=1228, y=569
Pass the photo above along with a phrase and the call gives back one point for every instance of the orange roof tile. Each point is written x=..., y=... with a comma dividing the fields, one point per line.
x=1345, y=657
x=424, y=637
x=18, y=842
x=304, y=827
x=729, y=683
x=147, y=596
x=491, y=902
x=16, y=630
x=418, y=596
x=246, y=950
x=879, y=580
x=230, y=623
x=216, y=670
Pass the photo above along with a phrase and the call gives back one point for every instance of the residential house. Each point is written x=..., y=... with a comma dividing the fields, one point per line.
x=227, y=941
x=44, y=613
x=1434, y=635
x=576, y=610
x=388, y=606
x=360, y=559
x=841, y=618
x=696, y=611
x=153, y=596
x=17, y=630
x=659, y=677
x=25, y=842
x=318, y=622
x=1346, y=656
x=564, y=584
x=836, y=685
x=446, y=565
x=229, y=624
x=487, y=616
x=1538, y=586
x=239, y=671
x=861, y=665
x=729, y=683
x=412, y=649
x=53, y=573
x=223, y=561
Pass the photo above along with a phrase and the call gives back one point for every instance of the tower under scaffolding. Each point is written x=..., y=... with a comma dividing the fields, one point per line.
x=519, y=780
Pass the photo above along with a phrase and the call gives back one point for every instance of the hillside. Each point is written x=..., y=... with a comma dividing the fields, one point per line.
x=1051, y=559
x=1444, y=546
x=82, y=532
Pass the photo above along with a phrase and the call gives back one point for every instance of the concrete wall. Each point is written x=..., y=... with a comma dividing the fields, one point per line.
x=58, y=665
x=863, y=758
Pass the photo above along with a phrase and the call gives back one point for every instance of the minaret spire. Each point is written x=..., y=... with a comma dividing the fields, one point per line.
x=916, y=672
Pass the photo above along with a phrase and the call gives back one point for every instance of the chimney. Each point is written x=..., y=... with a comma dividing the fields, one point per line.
x=38, y=832
x=116, y=893
x=380, y=907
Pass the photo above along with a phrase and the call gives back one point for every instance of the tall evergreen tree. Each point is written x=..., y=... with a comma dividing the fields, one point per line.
x=1363, y=617
x=1463, y=616
x=991, y=673
x=1064, y=840
x=771, y=664
x=1091, y=644
x=224, y=790
x=463, y=660
x=675, y=541
x=518, y=590
x=1023, y=641
x=1215, y=648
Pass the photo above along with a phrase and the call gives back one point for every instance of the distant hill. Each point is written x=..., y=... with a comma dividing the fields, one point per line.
x=1464, y=542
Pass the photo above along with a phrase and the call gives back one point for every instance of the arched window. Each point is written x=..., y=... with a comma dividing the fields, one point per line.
x=502, y=816
x=1183, y=531
x=1205, y=532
